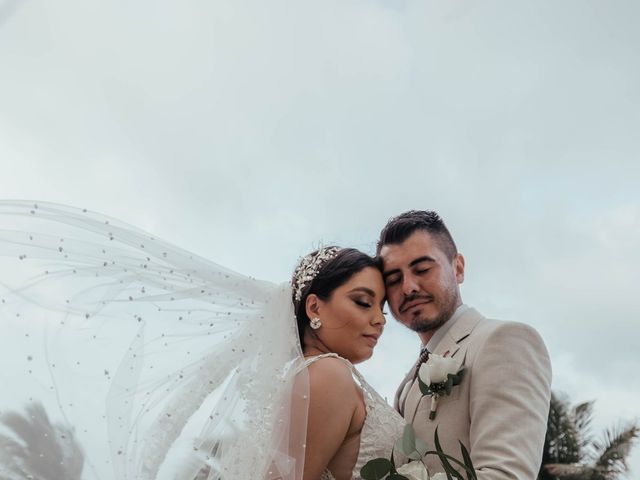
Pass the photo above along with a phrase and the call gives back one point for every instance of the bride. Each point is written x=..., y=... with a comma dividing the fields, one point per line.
x=139, y=360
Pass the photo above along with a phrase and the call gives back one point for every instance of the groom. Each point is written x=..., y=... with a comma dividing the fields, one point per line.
x=499, y=411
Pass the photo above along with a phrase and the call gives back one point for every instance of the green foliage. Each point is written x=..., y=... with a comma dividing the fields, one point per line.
x=467, y=461
x=31, y=446
x=614, y=449
x=572, y=453
x=376, y=469
x=448, y=468
x=414, y=448
x=410, y=446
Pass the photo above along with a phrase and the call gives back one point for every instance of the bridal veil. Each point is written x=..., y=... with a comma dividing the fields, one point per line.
x=125, y=357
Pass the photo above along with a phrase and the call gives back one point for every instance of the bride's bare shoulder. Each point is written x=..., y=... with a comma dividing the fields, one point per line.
x=331, y=375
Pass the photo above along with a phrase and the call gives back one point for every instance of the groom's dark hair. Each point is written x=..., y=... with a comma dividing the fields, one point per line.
x=399, y=228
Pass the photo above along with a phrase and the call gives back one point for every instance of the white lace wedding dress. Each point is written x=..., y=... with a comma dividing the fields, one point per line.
x=382, y=425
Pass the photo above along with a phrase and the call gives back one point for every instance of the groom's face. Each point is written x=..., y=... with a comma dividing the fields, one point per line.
x=422, y=283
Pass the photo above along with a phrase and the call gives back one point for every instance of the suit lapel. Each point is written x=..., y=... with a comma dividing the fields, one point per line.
x=453, y=341
x=398, y=404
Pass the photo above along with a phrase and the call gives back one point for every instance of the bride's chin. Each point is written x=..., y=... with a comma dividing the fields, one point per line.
x=362, y=357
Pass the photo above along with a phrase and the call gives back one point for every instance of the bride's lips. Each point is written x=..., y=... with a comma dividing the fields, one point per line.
x=414, y=303
x=372, y=339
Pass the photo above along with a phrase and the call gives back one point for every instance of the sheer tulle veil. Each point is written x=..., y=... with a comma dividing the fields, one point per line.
x=125, y=357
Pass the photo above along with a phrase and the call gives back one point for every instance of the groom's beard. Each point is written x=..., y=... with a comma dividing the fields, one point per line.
x=445, y=306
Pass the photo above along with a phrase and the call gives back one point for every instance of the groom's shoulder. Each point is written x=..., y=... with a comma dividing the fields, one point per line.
x=505, y=344
x=490, y=324
x=504, y=329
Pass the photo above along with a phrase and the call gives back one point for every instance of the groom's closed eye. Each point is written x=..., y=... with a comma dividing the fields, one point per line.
x=422, y=264
x=391, y=280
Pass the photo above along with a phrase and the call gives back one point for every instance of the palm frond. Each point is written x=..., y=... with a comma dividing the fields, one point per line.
x=582, y=417
x=562, y=442
x=9, y=469
x=573, y=471
x=614, y=448
x=570, y=451
x=36, y=448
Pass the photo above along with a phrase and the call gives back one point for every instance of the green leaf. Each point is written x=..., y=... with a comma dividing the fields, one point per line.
x=424, y=388
x=448, y=468
x=448, y=385
x=421, y=446
x=376, y=469
x=467, y=461
x=408, y=439
x=415, y=455
x=458, y=378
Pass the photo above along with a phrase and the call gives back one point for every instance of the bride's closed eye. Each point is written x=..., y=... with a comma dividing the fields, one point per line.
x=362, y=303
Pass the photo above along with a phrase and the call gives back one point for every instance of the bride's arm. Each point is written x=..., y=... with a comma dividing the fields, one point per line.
x=333, y=402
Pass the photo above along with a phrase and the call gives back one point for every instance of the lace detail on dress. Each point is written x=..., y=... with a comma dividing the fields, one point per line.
x=382, y=425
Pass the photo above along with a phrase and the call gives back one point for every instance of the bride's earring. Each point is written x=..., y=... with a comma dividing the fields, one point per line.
x=315, y=323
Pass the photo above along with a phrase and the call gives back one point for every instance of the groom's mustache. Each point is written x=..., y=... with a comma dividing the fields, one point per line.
x=412, y=299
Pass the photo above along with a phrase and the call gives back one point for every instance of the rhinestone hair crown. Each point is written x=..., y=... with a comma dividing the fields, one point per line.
x=309, y=267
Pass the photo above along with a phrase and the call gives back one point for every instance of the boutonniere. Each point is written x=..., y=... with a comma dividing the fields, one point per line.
x=437, y=376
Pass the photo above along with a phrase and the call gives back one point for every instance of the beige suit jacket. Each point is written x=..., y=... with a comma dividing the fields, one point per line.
x=500, y=409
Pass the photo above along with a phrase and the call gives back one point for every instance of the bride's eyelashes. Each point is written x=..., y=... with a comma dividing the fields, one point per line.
x=365, y=304
x=362, y=303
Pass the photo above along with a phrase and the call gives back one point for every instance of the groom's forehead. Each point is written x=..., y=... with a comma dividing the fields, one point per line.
x=390, y=268
x=420, y=244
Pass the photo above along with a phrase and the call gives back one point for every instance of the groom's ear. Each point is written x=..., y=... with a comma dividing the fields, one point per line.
x=458, y=266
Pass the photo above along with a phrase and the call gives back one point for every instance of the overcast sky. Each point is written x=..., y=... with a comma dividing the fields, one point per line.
x=250, y=132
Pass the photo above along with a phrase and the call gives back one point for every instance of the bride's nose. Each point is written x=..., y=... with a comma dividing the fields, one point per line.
x=379, y=318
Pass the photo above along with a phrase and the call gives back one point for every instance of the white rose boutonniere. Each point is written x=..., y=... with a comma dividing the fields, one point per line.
x=437, y=376
x=414, y=471
x=437, y=368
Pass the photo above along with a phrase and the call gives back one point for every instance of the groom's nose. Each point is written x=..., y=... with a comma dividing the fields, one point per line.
x=409, y=285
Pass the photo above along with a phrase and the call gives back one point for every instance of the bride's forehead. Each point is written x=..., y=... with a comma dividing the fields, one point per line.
x=368, y=278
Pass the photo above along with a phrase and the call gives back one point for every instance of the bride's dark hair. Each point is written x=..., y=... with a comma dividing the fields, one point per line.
x=332, y=274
